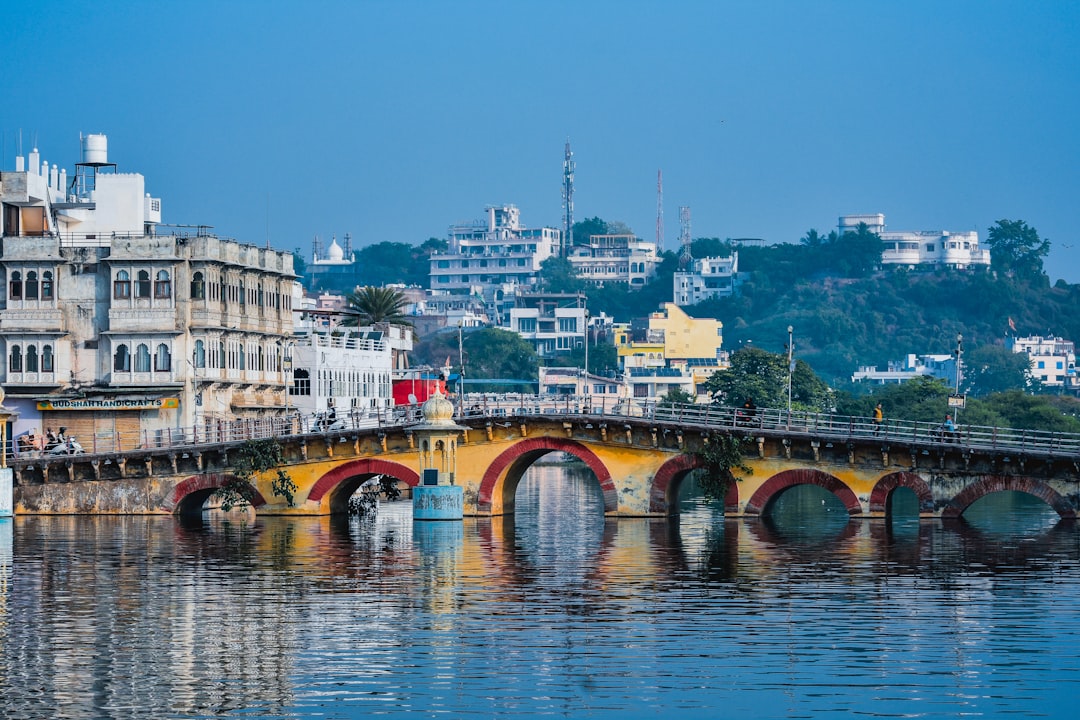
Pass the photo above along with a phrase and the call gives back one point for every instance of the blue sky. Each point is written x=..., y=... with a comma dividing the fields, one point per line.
x=392, y=120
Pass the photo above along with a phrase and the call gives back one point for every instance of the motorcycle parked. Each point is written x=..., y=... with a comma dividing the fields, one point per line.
x=65, y=446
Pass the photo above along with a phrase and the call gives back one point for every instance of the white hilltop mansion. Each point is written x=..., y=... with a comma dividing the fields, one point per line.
x=920, y=248
x=113, y=323
x=493, y=258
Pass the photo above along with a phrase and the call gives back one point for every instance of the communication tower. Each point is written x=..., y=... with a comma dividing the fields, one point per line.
x=568, y=201
x=659, y=211
x=684, y=237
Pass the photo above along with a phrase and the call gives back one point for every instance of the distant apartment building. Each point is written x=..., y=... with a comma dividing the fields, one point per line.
x=1053, y=360
x=913, y=366
x=554, y=323
x=493, y=258
x=669, y=349
x=921, y=248
x=622, y=258
x=705, y=279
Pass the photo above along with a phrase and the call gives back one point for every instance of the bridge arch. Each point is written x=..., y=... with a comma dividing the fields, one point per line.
x=664, y=492
x=778, y=483
x=336, y=487
x=500, y=481
x=884, y=488
x=191, y=493
x=988, y=484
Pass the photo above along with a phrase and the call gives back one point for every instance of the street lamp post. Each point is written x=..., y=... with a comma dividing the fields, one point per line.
x=959, y=353
x=461, y=362
x=790, y=371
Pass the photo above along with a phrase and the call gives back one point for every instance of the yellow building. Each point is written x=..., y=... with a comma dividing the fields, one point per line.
x=669, y=340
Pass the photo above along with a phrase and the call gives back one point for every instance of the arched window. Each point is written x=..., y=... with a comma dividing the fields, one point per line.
x=31, y=359
x=243, y=297
x=31, y=286
x=47, y=285
x=241, y=357
x=15, y=286
x=199, y=357
x=162, y=285
x=162, y=359
x=122, y=359
x=142, y=358
x=198, y=287
x=15, y=359
x=122, y=285
x=221, y=354
x=47, y=359
x=142, y=284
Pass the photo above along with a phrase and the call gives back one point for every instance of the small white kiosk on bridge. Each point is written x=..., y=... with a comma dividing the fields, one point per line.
x=438, y=497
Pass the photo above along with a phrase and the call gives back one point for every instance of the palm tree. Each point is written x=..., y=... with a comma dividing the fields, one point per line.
x=373, y=305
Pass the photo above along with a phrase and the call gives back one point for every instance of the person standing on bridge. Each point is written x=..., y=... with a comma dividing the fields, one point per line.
x=879, y=417
x=948, y=429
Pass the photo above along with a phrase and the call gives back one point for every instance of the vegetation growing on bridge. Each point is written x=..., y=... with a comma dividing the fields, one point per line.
x=721, y=455
x=250, y=459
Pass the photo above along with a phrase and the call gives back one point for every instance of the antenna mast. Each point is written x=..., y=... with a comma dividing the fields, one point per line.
x=659, y=211
x=568, y=200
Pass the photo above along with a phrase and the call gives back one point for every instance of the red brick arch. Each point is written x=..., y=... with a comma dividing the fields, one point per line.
x=987, y=484
x=512, y=463
x=790, y=478
x=663, y=494
x=204, y=485
x=364, y=466
x=884, y=487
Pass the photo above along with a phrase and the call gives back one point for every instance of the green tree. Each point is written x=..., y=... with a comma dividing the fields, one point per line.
x=858, y=253
x=372, y=305
x=251, y=459
x=710, y=247
x=298, y=262
x=558, y=275
x=492, y=353
x=763, y=376
x=603, y=359
x=993, y=369
x=1016, y=249
x=590, y=226
x=677, y=396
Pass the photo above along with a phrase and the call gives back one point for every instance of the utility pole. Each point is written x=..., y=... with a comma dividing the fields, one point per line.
x=461, y=376
x=790, y=371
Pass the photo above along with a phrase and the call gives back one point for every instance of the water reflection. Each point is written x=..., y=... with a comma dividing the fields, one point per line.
x=556, y=610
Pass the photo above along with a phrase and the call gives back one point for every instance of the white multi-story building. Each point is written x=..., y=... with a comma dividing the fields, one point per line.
x=911, y=367
x=553, y=322
x=493, y=259
x=1053, y=360
x=615, y=258
x=706, y=278
x=114, y=324
x=922, y=247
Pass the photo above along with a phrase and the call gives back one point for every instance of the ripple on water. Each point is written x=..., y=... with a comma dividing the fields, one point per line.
x=556, y=611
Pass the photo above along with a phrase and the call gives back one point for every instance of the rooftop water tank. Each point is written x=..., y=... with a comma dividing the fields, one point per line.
x=95, y=150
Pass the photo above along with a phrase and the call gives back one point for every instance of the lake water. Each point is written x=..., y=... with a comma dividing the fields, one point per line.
x=554, y=613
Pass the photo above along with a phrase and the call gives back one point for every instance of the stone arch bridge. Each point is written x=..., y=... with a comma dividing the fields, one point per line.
x=639, y=461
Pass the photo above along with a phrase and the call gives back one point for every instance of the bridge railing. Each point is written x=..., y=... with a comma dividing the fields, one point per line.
x=694, y=417
x=829, y=426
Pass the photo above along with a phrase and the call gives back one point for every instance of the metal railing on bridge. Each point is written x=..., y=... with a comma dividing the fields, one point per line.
x=769, y=421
